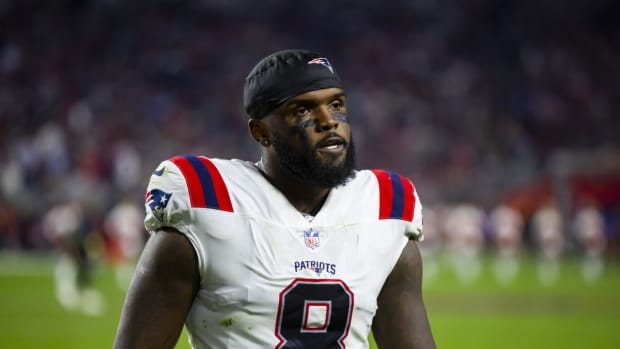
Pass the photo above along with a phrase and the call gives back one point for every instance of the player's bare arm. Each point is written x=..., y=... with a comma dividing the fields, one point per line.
x=161, y=293
x=401, y=320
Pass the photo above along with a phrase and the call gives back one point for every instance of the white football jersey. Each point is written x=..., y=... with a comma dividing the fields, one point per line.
x=270, y=276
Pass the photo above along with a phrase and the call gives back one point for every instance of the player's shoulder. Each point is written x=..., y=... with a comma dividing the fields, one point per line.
x=198, y=178
x=395, y=193
x=191, y=166
x=383, y=179
x=197, y=163
x=184, y=187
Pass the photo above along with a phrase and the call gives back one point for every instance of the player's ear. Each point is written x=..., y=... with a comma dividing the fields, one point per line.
x=259, y=132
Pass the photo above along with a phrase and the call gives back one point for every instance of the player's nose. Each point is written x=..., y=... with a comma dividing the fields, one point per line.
x=325, y=119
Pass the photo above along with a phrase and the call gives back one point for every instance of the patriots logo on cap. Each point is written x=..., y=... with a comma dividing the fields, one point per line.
x=312, y=238
x=322, y=61
x=157, y=200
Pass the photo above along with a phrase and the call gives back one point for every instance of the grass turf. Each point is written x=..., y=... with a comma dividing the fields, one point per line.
x=568, y=314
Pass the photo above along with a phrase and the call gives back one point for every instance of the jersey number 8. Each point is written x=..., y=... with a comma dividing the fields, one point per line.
x=314, y=313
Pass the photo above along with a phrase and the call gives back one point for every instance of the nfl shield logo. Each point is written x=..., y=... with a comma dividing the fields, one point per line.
x=312, y=238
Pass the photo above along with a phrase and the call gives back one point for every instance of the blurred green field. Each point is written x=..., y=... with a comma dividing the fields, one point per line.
x=569, y=314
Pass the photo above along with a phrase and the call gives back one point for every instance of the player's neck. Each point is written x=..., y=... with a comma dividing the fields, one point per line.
x=304, y=197
x=305, y=202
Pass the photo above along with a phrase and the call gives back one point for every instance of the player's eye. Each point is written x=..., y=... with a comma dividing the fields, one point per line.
x=301, y=111
x=336, y=105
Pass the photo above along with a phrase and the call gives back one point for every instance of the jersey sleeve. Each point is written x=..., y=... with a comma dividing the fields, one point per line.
x=398, y=199
x=167, y=199
x=178, y=190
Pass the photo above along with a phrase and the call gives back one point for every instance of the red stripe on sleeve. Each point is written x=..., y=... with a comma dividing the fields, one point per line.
x=194, y=187
x=386, y=193
x=409, y=199
x=221, y=192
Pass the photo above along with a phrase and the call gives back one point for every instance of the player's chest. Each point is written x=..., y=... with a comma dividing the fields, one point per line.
x=258, y=251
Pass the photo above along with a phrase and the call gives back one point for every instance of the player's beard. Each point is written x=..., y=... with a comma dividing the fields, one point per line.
x=306, y=168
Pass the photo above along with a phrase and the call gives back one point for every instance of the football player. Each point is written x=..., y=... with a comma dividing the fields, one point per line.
x=296, y=250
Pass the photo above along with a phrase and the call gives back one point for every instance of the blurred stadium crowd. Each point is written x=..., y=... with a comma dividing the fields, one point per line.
x=504, y=113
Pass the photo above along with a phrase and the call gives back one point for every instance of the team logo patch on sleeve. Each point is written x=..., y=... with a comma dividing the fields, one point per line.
x=157, y=200
x=396, y=196
x=205, y=184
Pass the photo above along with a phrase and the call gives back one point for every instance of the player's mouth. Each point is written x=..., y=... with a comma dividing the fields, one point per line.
x=332, y=145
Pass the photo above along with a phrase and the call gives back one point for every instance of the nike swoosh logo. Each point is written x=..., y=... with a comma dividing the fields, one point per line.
x=160, y=172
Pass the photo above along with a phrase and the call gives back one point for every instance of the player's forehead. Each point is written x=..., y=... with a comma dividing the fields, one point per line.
x=317, y=96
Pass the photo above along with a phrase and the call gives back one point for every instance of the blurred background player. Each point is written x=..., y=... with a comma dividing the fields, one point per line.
x=506, y=233
x=68, y=230
x=548, y=234
x=465, y=240
x=589, y=228
x=124, y=229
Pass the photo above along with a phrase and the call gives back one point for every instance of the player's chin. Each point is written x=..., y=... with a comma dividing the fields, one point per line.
x=331, y=159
